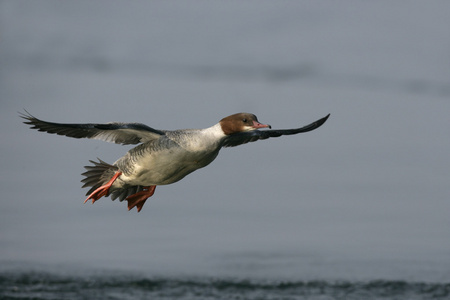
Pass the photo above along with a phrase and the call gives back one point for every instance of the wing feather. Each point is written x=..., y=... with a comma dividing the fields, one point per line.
x=255, y=135
x=119, y=133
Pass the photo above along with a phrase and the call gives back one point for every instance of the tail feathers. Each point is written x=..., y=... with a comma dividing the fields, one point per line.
x=123, y=193
x=98, y=174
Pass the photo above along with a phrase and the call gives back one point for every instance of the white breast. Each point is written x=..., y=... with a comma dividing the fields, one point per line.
x=191, y=150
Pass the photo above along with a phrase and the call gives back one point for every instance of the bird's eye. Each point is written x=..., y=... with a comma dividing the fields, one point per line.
x=244, y=120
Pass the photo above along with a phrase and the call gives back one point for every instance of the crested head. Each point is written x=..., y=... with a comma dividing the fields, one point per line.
x=240, y=122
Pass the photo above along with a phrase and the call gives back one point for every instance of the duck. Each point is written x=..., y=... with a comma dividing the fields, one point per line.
x=161, y=157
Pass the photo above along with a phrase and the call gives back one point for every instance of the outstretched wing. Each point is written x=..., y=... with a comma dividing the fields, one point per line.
x=255, y=135
x=119, y=133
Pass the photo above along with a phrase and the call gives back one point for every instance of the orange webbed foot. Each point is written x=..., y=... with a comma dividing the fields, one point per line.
x=103, y=190
x=138, y=200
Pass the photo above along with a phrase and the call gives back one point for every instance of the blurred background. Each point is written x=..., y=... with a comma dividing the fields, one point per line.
x=366, y=196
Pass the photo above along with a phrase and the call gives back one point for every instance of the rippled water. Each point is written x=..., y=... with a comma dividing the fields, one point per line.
x=46, y=286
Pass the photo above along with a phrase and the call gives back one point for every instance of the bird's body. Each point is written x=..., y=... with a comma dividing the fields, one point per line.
x=162, y=156
x=171, y=157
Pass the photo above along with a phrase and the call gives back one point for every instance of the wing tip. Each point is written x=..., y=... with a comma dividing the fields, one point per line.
x=320, y=122
x=29, y=119
x=25, y=114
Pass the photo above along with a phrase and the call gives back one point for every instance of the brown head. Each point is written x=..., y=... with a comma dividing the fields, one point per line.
x=241, y=122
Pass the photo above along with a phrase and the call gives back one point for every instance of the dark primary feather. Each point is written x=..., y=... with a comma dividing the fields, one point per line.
x=119, y=133
x=255, y=135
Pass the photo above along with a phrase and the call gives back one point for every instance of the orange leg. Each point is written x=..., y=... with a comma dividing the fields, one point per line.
x=139, y=198
x=103, y=190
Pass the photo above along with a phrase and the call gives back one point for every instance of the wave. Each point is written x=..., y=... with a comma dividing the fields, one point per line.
x=38, y=285
x=233, y=72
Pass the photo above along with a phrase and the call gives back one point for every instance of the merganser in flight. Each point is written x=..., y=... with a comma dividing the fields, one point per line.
x=162, y=156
